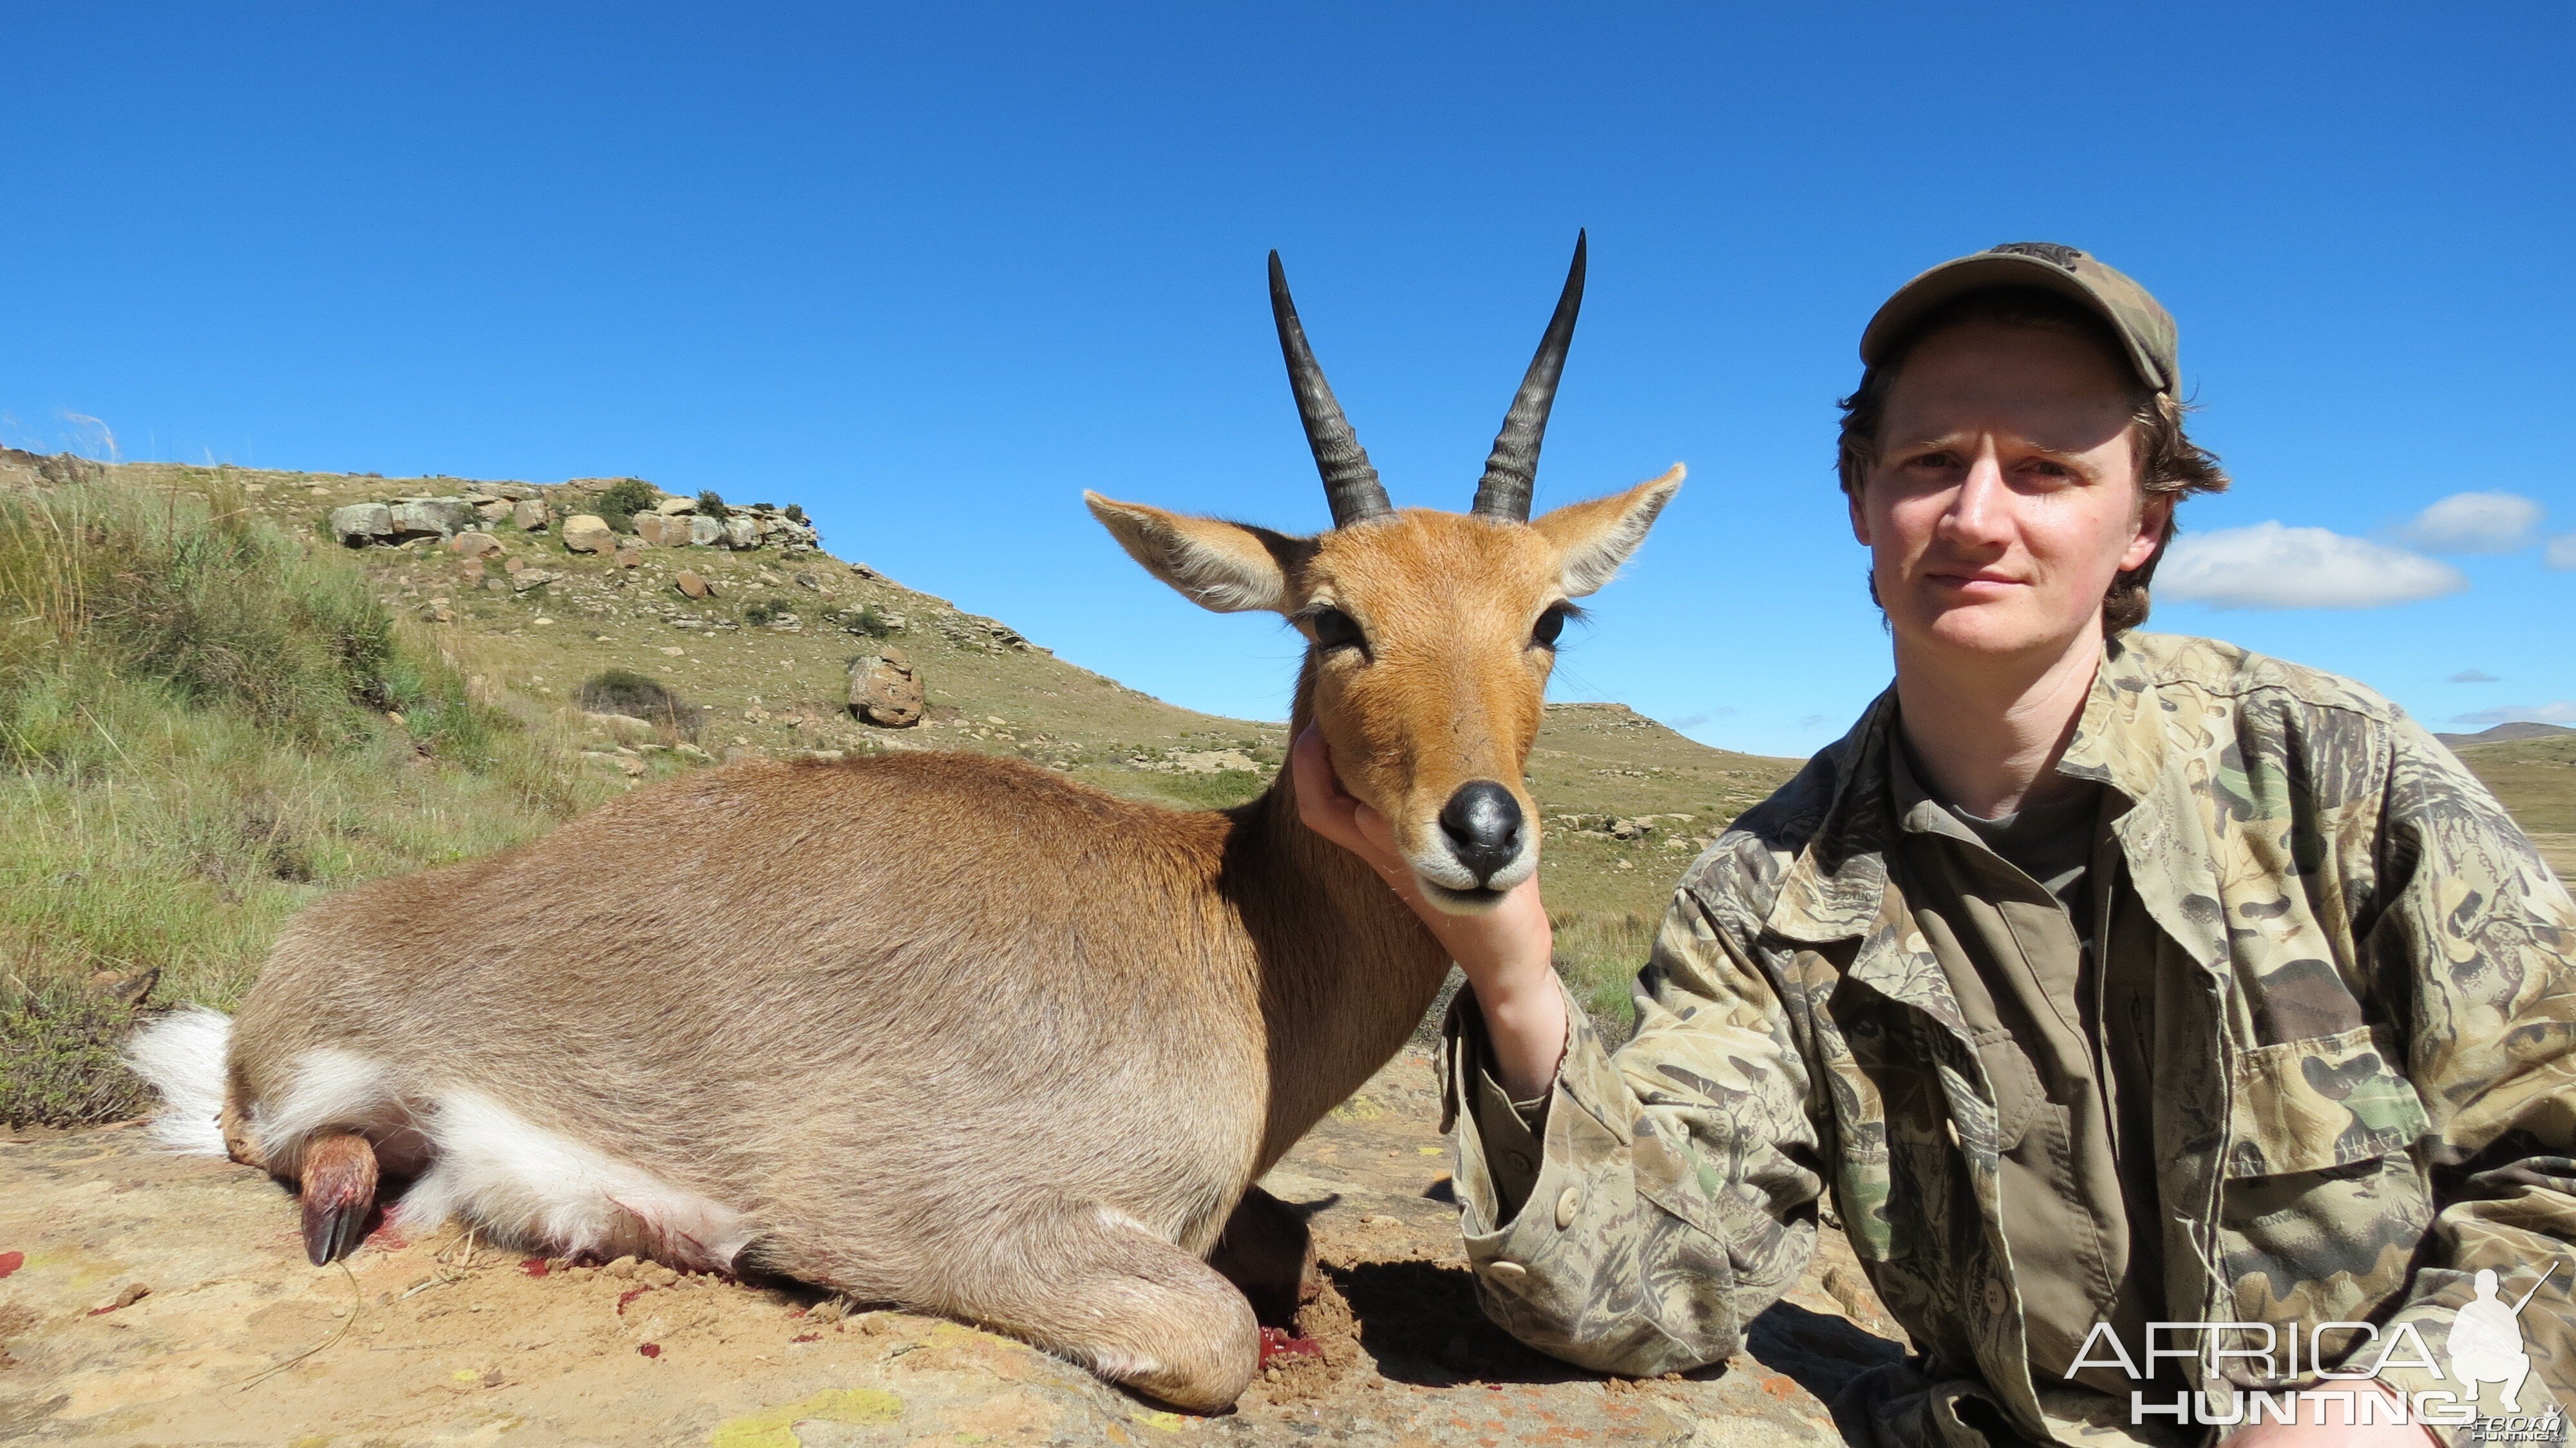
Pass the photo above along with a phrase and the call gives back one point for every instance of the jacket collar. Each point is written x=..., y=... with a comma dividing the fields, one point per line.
x=1834, y=889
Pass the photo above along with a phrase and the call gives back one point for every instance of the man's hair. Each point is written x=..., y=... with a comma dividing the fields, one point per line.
x=2168, y=461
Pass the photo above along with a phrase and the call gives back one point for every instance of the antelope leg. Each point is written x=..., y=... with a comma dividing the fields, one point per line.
x=1132, y=1307
x=338, y=1187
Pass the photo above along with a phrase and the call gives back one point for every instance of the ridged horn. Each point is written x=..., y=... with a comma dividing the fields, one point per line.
x=1511, y=470
x=1350, y=484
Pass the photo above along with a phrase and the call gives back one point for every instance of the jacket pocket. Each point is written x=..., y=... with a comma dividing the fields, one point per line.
x=2324, y=1203
x=2321, y=1103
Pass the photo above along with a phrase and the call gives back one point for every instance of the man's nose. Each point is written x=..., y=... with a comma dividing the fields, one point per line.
x=1977, y=514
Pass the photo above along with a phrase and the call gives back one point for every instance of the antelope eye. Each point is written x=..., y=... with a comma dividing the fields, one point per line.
x=1550, y=624
x=1334, y=629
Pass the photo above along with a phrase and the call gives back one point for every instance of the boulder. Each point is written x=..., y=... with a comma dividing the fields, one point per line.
x=885, y=689
x=692, y=585
x=705, y=532
x=648, y=530
x=474, y=545
x=445, y=517
x=493, y=510
x=741, y=532
x=675, y=507
x=362, y=523
x=588, y=533
x=528, y=578
x=529, y=514
x=618, y=726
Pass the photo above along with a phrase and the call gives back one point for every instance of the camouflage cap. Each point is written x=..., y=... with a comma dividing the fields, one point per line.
x=2146, y=328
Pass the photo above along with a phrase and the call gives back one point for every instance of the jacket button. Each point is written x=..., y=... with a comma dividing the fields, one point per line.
x=1503, y=1269
x=1995, y=1298
x=1566, y=1203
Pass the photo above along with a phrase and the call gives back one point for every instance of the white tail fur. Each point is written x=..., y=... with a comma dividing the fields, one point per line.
x=182, y=1056
x=517, y=1179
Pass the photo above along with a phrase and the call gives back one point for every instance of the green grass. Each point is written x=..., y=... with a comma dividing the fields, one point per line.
x=206, y=722
x=1599, y=954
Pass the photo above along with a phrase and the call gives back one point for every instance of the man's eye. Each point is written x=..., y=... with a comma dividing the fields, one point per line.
x=1550, y=624
x=1932, y=460
x=1334, y=629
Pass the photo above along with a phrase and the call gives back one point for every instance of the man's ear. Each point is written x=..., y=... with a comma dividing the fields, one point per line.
x=1593, y=538
x=2155, y=514
x=1228, y=567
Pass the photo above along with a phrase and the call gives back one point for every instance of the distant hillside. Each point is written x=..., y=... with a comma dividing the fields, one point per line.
x=2506, y=734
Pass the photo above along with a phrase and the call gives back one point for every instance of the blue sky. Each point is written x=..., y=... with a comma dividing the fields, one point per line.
x=933, y=271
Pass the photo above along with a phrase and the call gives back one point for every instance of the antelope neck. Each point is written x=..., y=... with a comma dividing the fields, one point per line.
x=1346, y=968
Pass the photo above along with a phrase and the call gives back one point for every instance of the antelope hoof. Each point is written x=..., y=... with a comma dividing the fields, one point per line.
x=338, y=1189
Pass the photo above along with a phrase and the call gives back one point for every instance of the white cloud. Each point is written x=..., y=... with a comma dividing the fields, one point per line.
x=2475, y=523
x=2271, y=566
x=2562, y=551
x=2473, y=676
x=2562, y=712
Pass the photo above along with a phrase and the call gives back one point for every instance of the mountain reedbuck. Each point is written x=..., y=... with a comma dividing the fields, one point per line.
x=1024, y=1073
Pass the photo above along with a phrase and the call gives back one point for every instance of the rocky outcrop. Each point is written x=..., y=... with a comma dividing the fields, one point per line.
x=885, y=689
x=571, y=507
x=26, y=469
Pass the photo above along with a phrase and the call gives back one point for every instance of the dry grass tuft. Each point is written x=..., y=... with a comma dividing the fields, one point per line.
x=206, y=722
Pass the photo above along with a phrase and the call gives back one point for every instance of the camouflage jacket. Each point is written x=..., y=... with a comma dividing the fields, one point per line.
x=2367, y=1000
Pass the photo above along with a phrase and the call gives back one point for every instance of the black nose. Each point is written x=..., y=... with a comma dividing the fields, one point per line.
x=1483, y=823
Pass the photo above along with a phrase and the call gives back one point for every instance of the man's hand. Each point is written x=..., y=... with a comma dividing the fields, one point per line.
x=2325, y=1425
x=1505, y=951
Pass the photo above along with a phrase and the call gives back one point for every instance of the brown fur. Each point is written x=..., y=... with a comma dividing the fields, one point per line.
x=953, y=1031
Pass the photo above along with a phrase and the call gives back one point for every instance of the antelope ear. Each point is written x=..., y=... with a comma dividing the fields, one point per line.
x=1228, y=567
x=1593, y=538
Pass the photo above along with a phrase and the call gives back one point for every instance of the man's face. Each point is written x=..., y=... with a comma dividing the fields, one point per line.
x=2006, y=497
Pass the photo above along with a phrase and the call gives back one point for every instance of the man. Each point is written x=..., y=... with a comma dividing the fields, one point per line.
x=2102, y=979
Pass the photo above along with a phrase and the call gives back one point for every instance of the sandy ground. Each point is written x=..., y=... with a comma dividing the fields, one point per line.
x=157, y=1300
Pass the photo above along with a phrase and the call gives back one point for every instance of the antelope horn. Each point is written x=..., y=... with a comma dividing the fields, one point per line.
x=1511, y=470
x=1350, y=484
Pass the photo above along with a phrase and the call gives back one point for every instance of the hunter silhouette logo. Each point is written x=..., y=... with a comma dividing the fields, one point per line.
x=2482, y=1346
x=2485, y=1344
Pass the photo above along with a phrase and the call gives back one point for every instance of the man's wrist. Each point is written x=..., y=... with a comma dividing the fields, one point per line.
x=1527, y=1029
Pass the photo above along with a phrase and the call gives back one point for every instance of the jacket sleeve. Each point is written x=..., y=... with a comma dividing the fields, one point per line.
x=1672, y=1195
x=2478, y=939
